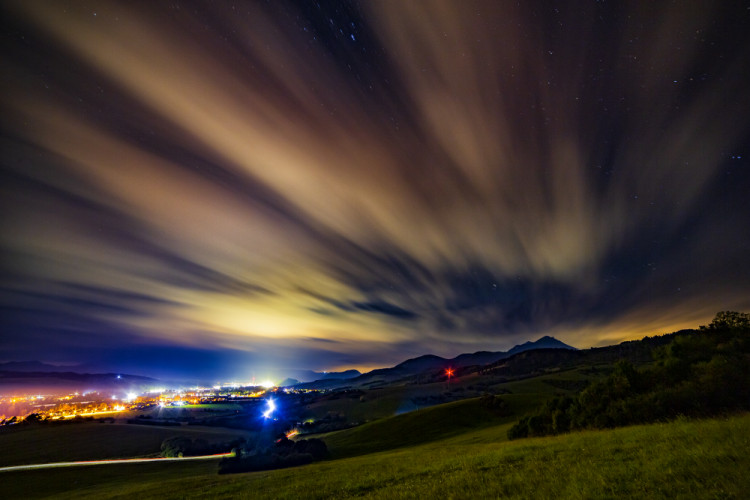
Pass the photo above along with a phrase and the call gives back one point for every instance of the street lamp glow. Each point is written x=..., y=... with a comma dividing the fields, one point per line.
x=270, y=409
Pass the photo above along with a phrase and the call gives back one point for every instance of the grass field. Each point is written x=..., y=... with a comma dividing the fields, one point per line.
x=414, y=428
x=689, y=459
x=94, y=441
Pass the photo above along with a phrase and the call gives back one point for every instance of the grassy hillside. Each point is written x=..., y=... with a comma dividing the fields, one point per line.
x=413, y=428
x=394, y=400
x=691, y=459
x=377, y=403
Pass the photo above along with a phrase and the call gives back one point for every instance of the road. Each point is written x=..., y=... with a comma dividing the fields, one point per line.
x=109, y=462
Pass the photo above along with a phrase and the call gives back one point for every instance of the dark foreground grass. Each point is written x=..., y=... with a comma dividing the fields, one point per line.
x=37, y=444
x=108, y=479
x=685, y=459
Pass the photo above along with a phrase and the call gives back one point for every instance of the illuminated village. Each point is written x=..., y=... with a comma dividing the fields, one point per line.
x=99, y=404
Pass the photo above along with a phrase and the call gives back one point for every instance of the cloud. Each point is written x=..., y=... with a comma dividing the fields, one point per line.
x=381, y=307
x=393, y=177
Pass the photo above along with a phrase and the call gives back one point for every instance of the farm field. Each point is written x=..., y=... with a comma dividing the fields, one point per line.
x=96, y=441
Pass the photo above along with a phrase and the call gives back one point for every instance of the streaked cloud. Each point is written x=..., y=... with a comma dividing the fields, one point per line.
x=347, y=187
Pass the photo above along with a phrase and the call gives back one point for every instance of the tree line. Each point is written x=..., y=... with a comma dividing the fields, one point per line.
x=701, y=374
x=281, y=454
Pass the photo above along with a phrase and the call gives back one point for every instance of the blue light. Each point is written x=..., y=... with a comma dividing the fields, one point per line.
x=270, y=409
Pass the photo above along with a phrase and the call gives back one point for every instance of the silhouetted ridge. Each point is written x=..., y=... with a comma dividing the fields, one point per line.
x=432, y=363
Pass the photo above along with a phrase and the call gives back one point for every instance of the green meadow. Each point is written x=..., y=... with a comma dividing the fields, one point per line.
x=683, y=458
x=414, y=428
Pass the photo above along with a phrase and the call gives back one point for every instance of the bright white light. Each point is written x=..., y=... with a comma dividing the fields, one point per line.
x=267, y=384
x=270, y=409
x=131, y=396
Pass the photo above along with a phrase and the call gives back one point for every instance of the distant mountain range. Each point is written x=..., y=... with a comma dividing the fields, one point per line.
x=430, y=362
x=309, y=375
x=35, y=374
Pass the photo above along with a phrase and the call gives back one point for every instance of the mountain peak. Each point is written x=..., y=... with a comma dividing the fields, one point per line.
x=545, y=342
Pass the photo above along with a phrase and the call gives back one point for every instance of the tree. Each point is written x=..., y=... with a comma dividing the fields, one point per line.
x=176, y=446
x=729, y=320
x=33, y=418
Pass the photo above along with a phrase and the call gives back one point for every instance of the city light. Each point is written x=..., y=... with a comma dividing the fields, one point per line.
x=292, y=433
x=95, y=404
x=267, y=384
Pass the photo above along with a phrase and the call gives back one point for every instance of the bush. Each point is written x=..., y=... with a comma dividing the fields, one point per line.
x=176, y=446
x=283, y=454
x=314, y=447
x=181, y=446
x=494, y=403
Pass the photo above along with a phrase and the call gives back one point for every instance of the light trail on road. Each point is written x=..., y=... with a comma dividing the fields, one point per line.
x=109, y=462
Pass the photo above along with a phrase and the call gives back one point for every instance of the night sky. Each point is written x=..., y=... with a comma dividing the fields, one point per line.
x=223, y=188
